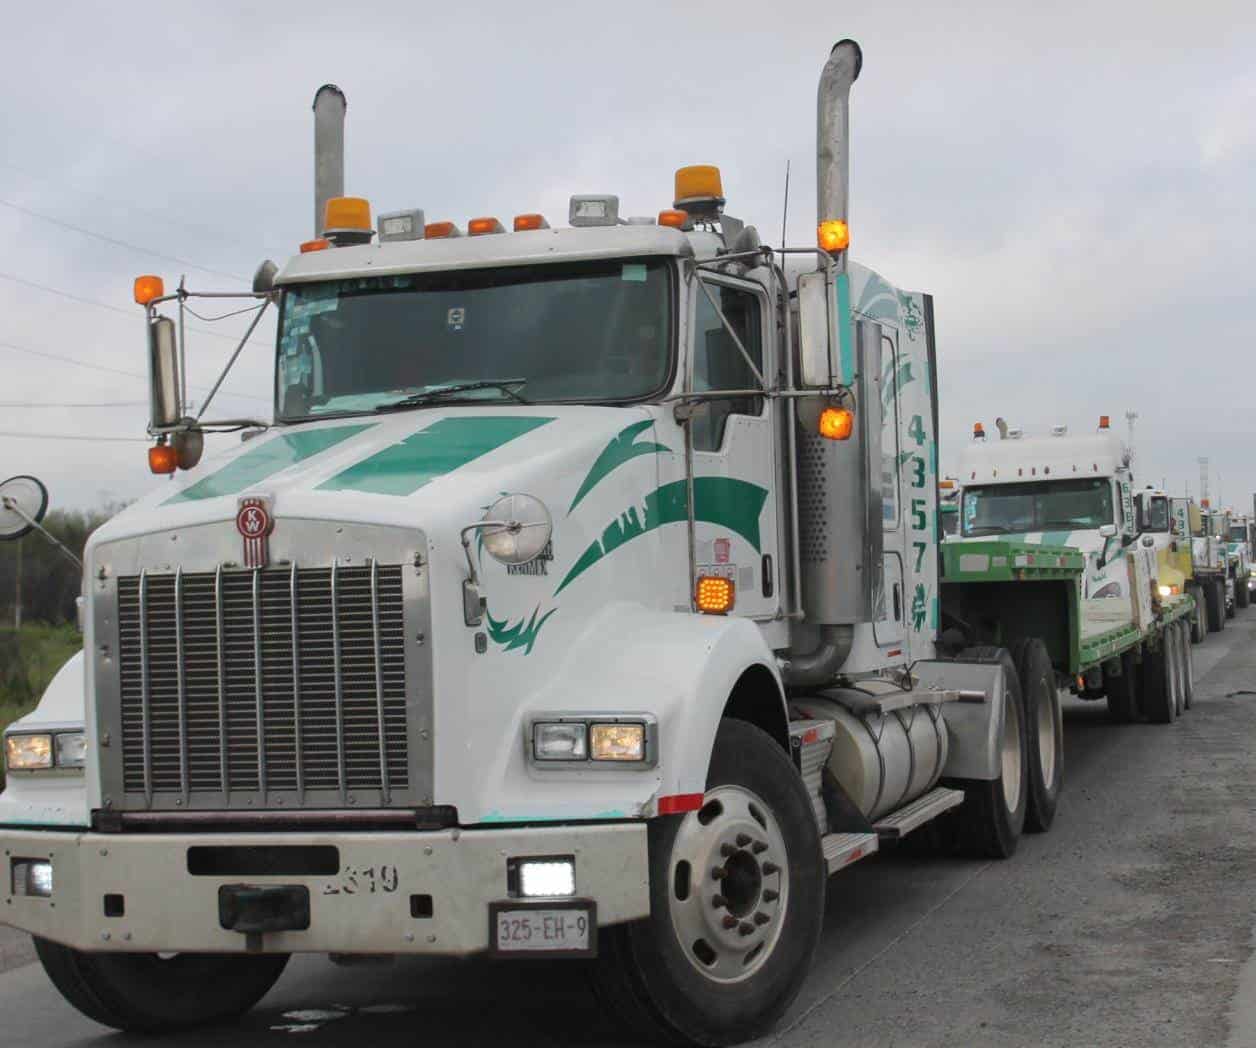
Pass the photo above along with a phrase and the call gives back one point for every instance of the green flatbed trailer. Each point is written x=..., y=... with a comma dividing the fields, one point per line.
x=998, y=591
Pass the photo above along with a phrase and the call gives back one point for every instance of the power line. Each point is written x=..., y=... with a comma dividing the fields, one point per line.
x=105, y=367
x=116, y=242
x=130, y=314
x=95, y=404
x=70, y=436
x=191, y=227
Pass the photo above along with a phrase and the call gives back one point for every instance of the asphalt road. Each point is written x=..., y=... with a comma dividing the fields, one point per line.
x=1131, y=923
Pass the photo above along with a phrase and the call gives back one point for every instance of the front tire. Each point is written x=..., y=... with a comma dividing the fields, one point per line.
x=1188, y=669
x=1122, y=691
x=1157, y=679
x=1199, y=619
x=1242, y=595
x=146, y=993
x=1045, y=735
x=736, y=905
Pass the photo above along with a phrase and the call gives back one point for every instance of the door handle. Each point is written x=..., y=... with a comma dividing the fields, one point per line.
x=898, y=603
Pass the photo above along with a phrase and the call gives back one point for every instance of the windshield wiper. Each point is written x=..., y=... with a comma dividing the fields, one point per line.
x=429, y=396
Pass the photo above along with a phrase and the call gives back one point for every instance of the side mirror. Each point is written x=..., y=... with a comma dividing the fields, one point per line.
x=1148, y=541
x=23, y=503
x=817, y=331
x=165, y=400
x=264, y=278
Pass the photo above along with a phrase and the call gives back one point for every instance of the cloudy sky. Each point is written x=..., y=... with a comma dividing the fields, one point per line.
x=1073, y=182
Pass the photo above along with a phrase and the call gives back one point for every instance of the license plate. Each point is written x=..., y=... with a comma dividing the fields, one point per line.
x=549, y=930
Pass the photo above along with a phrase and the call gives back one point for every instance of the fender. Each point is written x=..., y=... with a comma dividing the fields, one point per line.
x=680, y=667
x=56, y=798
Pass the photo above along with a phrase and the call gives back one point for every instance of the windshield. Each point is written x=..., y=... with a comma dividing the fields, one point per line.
x=1009, y=508
x=586, y=332
x=1238, y=532
x=1157, y=510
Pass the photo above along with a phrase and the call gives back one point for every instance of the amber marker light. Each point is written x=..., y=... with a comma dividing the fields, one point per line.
x=347, y=213
x=715, y=595
x=478, y=227
x=1104, y=422
x=674, y=218
x=525, y=222
x=319, y=244
x=439, y=230
x=833, y=235
x=836, y=423
x=162, y=458
x=147, y=288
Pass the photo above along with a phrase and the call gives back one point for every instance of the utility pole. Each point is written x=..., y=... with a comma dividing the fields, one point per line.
x=17, y=599
x=1130, y=416
x=1203, y=479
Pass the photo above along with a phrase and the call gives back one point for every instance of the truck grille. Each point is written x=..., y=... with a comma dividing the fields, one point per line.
x=254, y=682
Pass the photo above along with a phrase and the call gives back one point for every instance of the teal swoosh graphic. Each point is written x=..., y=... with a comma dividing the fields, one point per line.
x=615, y=454
x=733, y=504
x=519, y=635
x=266, y=459
x=444, y=446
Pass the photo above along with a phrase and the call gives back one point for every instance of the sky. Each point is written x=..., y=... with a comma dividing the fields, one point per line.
x=1073, y=182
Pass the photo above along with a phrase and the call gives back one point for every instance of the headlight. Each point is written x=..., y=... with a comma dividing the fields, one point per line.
x=587, y=741
x=1166, y=591
x=71, y=749
x=617, y=742
x=564, y=741
x=28, y=752
x=32, y=878
x=523, y=532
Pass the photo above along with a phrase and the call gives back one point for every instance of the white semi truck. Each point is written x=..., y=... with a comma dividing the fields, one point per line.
x=582, y=600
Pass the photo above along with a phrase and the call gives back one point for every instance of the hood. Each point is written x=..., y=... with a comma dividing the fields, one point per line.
x=429, y=466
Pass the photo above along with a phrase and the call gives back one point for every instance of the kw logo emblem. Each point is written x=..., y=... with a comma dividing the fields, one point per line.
x=254, y=523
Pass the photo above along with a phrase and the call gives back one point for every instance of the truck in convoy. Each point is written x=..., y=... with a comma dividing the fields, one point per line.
x=581, y=600
x=1214, y=567
x=1170, y=521
x=1239, y=545
x=1075, y=491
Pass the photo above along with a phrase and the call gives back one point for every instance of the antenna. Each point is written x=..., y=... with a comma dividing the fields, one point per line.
x=785, y=216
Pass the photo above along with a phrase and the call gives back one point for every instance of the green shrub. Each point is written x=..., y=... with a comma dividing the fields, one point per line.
x=29, y=659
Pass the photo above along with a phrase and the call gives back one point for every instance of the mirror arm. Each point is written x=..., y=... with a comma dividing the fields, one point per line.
x=257, y=317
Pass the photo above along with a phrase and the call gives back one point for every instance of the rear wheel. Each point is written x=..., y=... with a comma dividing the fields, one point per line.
x=1044, y=731
x=990, y=821
x=1178, y=666
x=1188, y=669
x=1214, y=601
x=1156, y=698
x=736, y=905
x=1122, y=690
x=148, y=993
x=1242, y=595
x=1199, y=618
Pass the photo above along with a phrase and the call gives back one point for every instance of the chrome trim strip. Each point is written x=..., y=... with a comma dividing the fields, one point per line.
x=296, y=679
x=224, y=753
x=379, y=684
x=181, y=677
x=257, y=683
x=339, y=682
x=146, y=714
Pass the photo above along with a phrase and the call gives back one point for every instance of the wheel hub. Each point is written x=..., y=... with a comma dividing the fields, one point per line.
x=730, y=884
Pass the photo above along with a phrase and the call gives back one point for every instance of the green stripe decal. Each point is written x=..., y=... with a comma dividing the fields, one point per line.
x=268, y=458
x=733, y=504
x=444, y=446
x=843, y=330
x=620, y=450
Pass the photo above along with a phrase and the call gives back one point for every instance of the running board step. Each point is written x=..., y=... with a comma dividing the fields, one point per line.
x=920, y=811
x=841, y=849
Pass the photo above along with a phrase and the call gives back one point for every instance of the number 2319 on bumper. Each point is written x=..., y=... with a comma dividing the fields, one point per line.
x=551, y=929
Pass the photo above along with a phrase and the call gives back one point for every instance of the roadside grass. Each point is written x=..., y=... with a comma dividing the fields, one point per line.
x=29, y=659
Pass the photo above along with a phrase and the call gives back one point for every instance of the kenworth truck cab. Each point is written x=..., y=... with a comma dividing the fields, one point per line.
x=1214, y=566
x=1239, y=544
x=581, y=600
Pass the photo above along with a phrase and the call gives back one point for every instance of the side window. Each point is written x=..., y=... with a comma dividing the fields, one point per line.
x=718, y=363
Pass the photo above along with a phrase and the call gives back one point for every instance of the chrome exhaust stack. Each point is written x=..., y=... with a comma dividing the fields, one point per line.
x=833, y=144
x=329, y=149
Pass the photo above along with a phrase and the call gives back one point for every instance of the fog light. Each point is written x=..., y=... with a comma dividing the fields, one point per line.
x=617, y=742
x=545, y=878
x=71, y=749
x=32, y=877
x=563, y=741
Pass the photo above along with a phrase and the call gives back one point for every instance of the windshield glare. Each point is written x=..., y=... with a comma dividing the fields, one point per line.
x=586, y=332
x=1042, y=506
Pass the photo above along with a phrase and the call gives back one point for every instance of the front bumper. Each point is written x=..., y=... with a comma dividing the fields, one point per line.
x=366, y=907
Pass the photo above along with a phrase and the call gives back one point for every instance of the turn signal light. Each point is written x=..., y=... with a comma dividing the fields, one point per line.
x=318, y=244
x=674, y=218
x=837, y=423
x=148, y=288
x=715, y=595
x=833, y=235
x=440, y=231
x=526, y=222
x=347, y=213
x=1104, y=421
x=979, y=431
x=163, y=458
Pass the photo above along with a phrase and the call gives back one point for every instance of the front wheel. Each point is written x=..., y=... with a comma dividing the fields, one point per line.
x=736, y=905
x=1214, y=600
x=1199, y=618
x=148, y=993
x=1242, y=595
x=1043, y=720
x=1159, y=677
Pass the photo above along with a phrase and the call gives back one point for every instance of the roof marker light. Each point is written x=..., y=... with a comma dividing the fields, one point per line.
x=523, y=223
x=479, y=227
x=440, y=231
x=674, y=218
x=318, y=244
